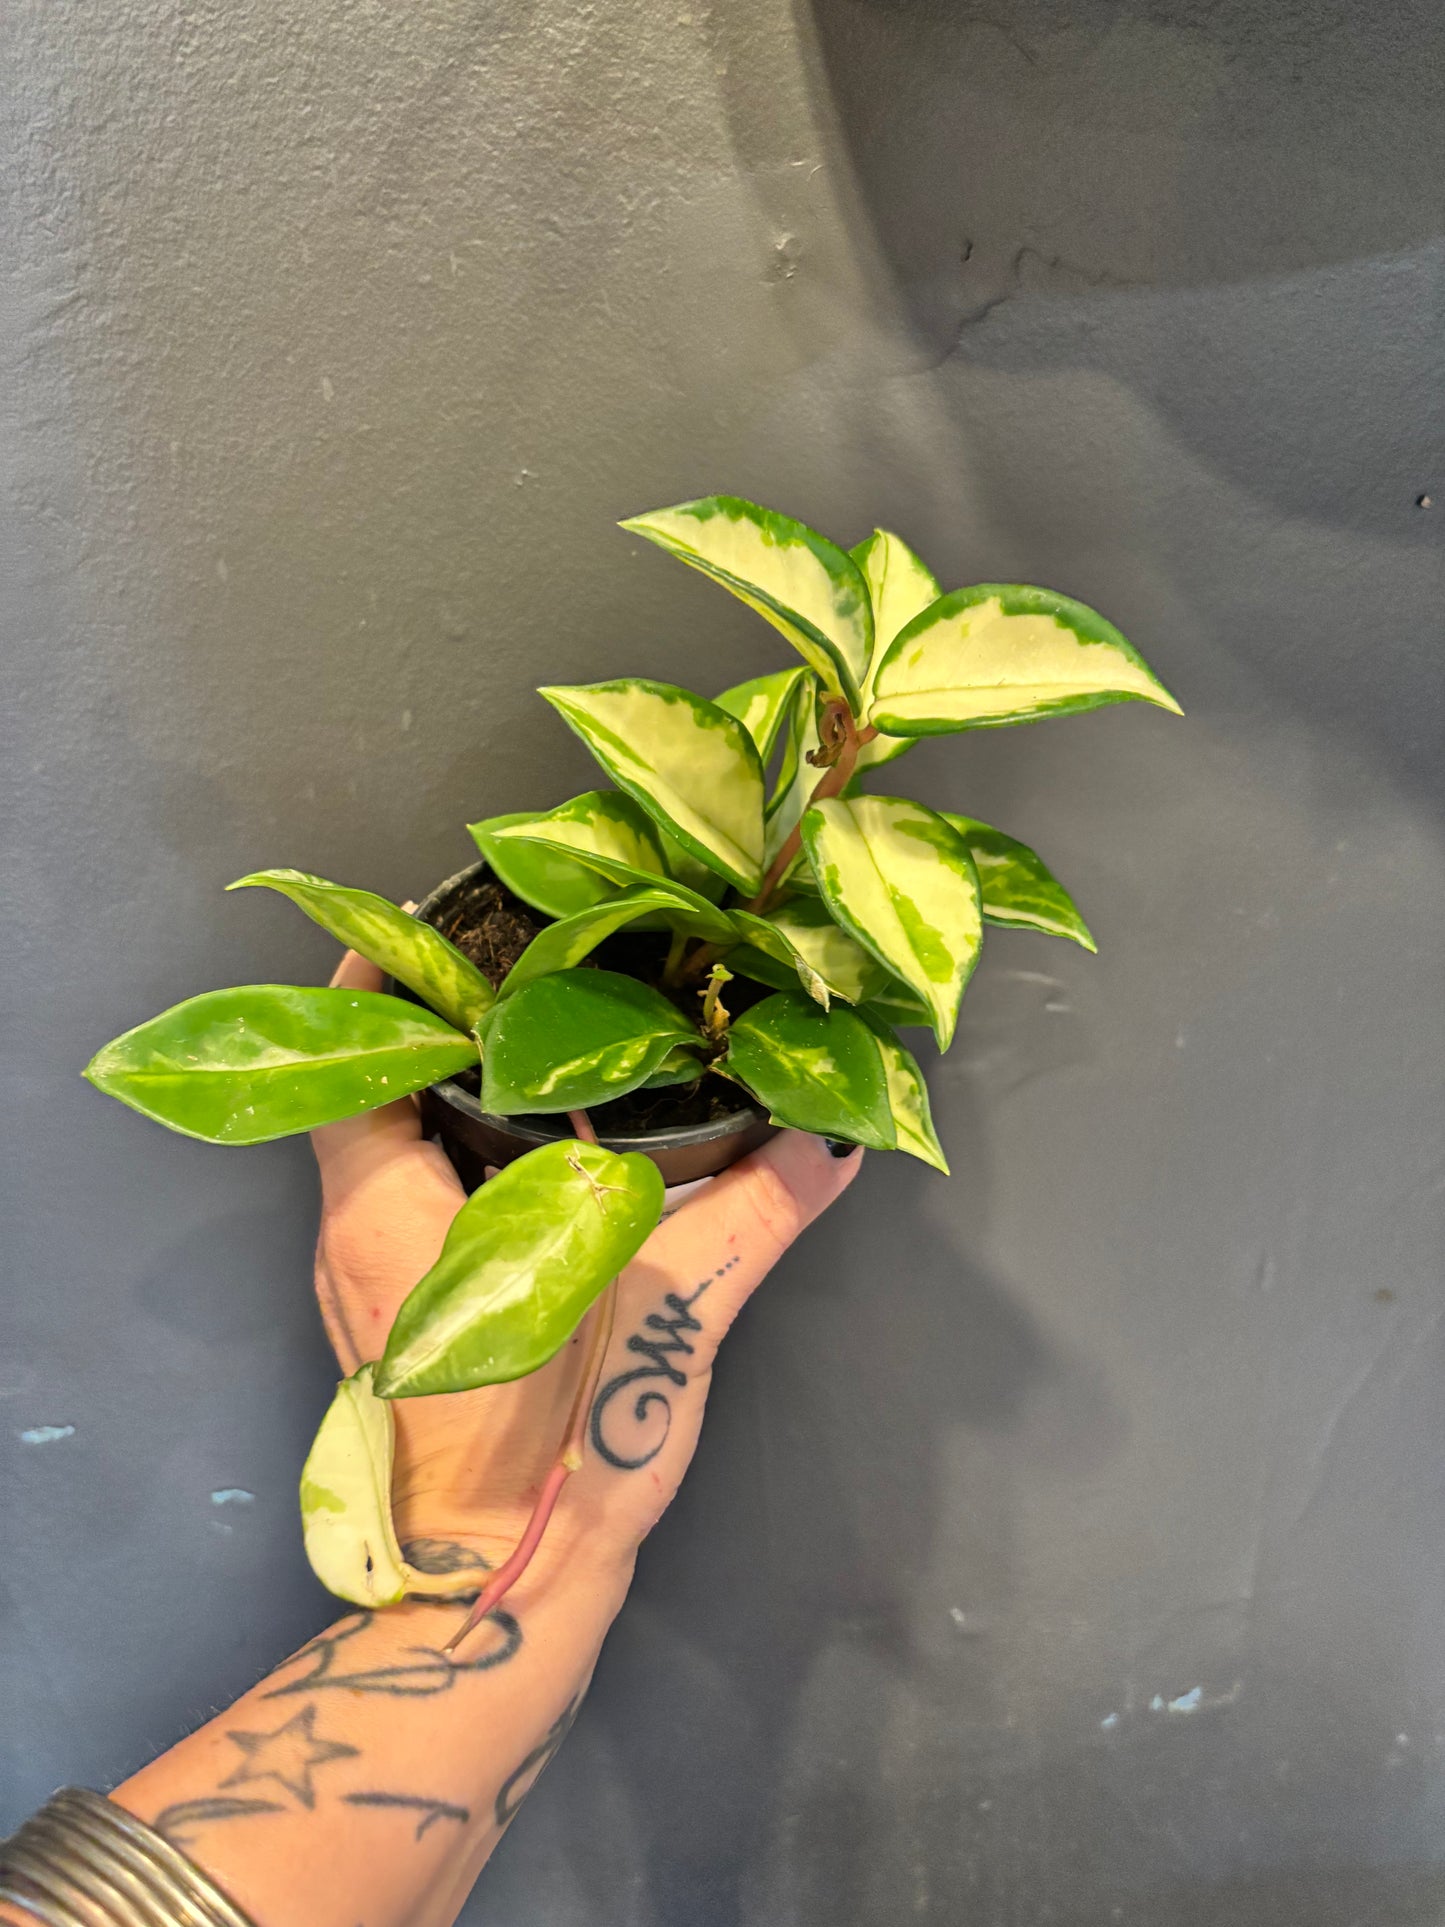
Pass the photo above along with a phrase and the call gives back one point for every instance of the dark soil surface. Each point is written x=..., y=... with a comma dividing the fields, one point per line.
x=492, y=927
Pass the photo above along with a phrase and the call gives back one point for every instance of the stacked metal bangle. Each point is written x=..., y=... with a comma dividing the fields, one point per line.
x=84, y=1862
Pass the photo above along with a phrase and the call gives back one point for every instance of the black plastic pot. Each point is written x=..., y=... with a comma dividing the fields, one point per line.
x=474, y=1138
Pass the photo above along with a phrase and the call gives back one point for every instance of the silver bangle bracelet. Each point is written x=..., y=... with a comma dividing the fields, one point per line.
x=82, y=1861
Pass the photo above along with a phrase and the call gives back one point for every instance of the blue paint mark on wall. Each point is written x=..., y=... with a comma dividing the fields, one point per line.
x=232, y=1495
x=46, y=1434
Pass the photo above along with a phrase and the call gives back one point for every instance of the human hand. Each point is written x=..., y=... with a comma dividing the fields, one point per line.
x=469, y=1465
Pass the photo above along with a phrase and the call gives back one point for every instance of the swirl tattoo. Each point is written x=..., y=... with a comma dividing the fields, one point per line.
x=659, y=1352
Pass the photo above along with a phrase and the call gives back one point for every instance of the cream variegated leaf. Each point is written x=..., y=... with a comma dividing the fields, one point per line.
x=346, y=1518
x=900, y=587
x=690, y=765
x=546, y=877
x=797, y=777
x=900, y=881
x=806, y=586
x=1018, y=888
x=844, y=967
x=612, y=836
x=763, y=935
x=763, y=705
x=907, y=1096
x=1003, y=653
x=390, y=937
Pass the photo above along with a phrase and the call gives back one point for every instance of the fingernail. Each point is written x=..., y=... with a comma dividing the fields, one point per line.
x=838, y=1149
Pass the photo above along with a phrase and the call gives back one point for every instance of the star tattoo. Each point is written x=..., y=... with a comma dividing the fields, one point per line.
x=289, y=1756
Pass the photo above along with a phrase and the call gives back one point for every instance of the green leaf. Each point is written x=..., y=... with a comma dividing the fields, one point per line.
x=1002, y=653
x=845, y=967
x=395, y=941
x=610, y=834
x=763, y=705
x=816, y=1070
x=679, y=1066
x=900, y=587
x=561, y=945
x=901, y=882
x=269, y=1060
x=907, y=1096
x=346, y=1498
x=525, y=1257
x=764, y=936
x=804, y=585
x=1017, y=886
x=691, y=766
x=895, y=1003
x=540, y=874
x=577, y=1038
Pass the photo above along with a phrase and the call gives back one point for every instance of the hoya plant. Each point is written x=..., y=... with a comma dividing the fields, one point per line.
x=796, y=919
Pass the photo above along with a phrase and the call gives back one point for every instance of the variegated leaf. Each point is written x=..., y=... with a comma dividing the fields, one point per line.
x=540, y=874
x=346, y=1498
x=900, y=586
x=763, y=705
x=900, y=881
x=391, y=938
x=763, y=935
x=815, y=1070
x=1017, y=886
x=797, y=777
x=907, y=1096
x=805, y=585
x=692, y=767
x=845, y=967
x=895, y=1003
x=1003, y=653
x=577, y=1038
x=609, y=833
x=562, y=945
x=684, y=866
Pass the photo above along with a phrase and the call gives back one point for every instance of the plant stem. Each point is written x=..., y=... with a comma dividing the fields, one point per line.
x=834, y=779
x=568, y=1461
x=582, y=1125
x=674, y=957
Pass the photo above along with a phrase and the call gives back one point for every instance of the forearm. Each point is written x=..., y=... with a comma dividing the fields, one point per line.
x=369, y=1778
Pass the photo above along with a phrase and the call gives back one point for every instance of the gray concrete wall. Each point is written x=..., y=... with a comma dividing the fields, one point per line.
x=1065, y=1543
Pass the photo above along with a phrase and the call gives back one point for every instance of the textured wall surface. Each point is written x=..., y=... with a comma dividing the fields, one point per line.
x=1065, y=1544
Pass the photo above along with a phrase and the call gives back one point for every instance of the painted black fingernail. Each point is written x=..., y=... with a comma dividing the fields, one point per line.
x=838, y=1149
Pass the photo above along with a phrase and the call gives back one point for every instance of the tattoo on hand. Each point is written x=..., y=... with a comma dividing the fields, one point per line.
x=519, y=1784
x=290, y=1756
x=659, y=1353
x=423, y=1674
x=431, y=1810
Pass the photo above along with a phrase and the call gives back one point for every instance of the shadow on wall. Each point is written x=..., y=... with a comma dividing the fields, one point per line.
x=1169, y=276
x=1118, y=143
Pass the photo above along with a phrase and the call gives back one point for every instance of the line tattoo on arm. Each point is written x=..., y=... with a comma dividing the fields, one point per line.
x=421, y=1672
x=650, y=1408
x=430, y=1810
x=180, y=1822
x=519, y=1783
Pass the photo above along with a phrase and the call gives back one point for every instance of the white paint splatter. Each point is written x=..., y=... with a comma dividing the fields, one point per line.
x=46, y=1434
x=1109, y=1722
x=232, y=1495
x=1189, y=1702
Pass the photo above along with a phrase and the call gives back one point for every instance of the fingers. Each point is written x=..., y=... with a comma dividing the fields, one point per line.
x=735, y=1231
x=350, y=1151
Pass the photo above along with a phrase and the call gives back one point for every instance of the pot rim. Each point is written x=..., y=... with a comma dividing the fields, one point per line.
x=529, y=1125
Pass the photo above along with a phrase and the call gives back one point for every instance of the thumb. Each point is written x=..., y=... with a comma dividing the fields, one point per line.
x=735, y=1230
